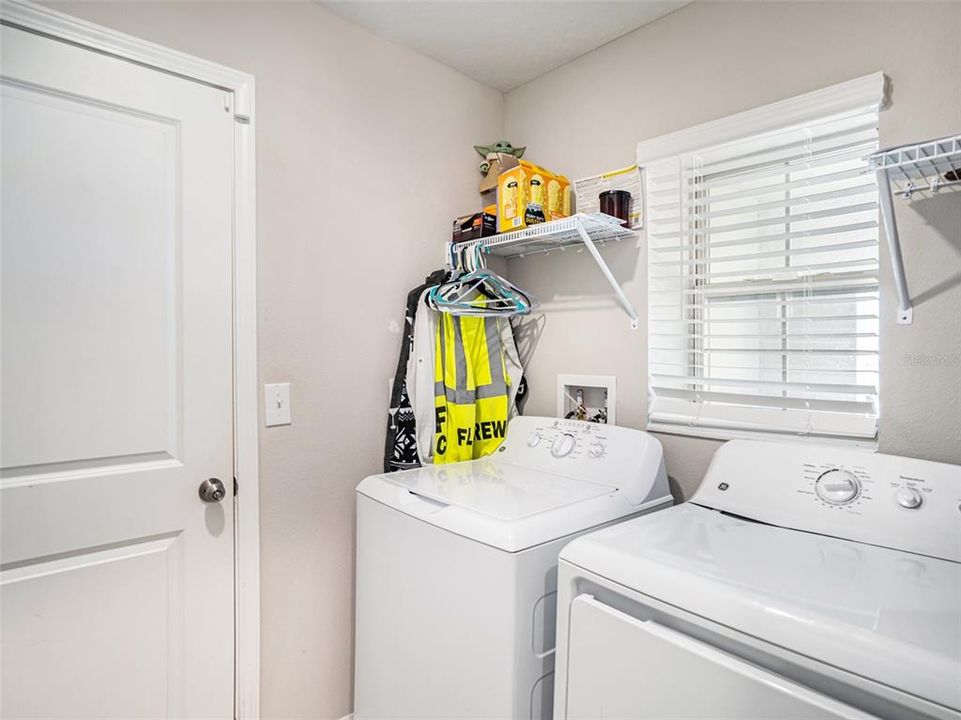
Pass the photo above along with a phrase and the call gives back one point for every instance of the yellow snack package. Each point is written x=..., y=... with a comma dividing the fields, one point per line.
x=511, y=198
x=536, y=210
x=524, y=196
x=558, y=197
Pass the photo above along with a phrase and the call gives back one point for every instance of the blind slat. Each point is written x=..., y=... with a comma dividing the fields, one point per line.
x=716, y=184
x=811, y=284
x=783, y=403
x=714, y=420
x=813, y=387
x=743, y=321
x=769, y=336
x=786, y=204
x=779, y=187
x=848, y=153
x=813, y=269
x=789, y=252
x=753, y=241
x=766, y=351
x=715, y=230
x=805, y=145
x=705, y=370
x=825, y=299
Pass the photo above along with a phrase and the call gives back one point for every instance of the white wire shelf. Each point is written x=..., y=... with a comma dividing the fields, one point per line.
x=587, y=230
x=925, y=168
x=549, y=236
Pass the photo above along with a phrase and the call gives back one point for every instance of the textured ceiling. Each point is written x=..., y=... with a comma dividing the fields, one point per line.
x=502, y=44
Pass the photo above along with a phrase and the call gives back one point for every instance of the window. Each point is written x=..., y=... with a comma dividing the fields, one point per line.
x=763, y=279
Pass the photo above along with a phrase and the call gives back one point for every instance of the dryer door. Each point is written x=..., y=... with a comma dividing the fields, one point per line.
x=621, y=667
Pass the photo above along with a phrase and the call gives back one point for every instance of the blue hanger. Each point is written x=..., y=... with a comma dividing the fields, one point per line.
x=479, y=292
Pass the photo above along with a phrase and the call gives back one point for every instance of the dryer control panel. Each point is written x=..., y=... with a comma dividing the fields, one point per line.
x=896, y=502
x=622, y=458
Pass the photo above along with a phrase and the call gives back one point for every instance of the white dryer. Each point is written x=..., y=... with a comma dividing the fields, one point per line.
x=801, y=581
x=457, y=567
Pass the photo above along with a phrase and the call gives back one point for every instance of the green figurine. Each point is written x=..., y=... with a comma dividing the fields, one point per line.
x=501, y=147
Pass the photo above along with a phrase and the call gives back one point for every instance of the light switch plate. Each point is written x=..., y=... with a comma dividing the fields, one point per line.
x=277, y=404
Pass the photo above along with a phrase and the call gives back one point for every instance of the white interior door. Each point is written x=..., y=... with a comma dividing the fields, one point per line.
x=622, y=668
x=117, y=579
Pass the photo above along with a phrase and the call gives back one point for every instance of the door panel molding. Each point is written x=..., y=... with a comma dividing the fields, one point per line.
x=144, y=150
x=158, y=563
x=239, y=89
x=89, y=468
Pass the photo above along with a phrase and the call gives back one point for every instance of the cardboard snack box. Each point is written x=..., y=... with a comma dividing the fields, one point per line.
x=474, y=226
x=523, y=196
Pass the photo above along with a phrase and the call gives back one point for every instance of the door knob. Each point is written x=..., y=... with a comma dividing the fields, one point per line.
x=212, y=490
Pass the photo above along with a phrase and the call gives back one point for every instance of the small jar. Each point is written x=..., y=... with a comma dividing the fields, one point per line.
x=616, y=203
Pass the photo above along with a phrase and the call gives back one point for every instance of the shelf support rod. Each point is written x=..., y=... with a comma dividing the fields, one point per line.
x=622, y=298
x=905, y=310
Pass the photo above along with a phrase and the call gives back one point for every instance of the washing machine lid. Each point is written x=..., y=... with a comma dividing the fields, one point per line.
x=499, y=490
x=507, y=506
x=887, y=615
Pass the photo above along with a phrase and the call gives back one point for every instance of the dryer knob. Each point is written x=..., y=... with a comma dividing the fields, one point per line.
x=908, y=498
x=837, y=487
x=534, y=439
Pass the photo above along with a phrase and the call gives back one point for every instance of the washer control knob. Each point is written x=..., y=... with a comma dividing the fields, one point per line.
x=534, y=439
x=563, y=445
x=596, y=449
x=908, y=498
x=837, y=487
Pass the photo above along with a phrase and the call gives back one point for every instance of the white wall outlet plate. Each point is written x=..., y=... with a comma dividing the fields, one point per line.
x=277, y=404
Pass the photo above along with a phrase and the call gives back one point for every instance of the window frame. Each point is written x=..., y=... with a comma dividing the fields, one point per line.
x=862, y=93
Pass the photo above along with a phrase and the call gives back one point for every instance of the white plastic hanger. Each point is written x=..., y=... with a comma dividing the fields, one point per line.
x=479, y=292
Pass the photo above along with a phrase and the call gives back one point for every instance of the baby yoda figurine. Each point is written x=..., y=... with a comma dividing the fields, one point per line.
x=498, y=157
x=501, y=147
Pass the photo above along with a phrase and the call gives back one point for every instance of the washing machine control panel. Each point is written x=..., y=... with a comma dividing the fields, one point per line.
x=573, y=439
x=897, y=502
x=605, y=454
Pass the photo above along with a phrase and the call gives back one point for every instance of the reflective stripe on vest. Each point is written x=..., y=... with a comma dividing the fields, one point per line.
x=470, y=388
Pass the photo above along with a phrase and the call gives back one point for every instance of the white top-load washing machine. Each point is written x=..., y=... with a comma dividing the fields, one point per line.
x=801, y=581
x=457, y=567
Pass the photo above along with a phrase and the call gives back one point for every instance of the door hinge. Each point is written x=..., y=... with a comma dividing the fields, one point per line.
x=235, y=487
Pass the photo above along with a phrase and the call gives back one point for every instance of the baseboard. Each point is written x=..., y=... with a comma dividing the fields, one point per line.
x=348, y=717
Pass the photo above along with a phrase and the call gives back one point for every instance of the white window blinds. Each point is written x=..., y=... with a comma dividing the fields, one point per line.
x=763, y=284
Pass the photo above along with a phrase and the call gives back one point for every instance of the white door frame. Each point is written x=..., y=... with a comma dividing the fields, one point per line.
x=42, y=20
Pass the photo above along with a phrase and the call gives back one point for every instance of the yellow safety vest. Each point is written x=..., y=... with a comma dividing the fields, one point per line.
x=471, y=388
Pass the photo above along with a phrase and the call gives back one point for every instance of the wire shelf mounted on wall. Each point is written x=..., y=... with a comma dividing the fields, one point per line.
x=579, y=230
x=919, y=169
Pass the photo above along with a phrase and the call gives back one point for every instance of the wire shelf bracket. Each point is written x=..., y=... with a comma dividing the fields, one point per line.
x=922, y=169
x=582, y=229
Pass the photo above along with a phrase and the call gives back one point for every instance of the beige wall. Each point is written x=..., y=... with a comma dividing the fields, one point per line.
x=364, y=153
x=709, y=60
